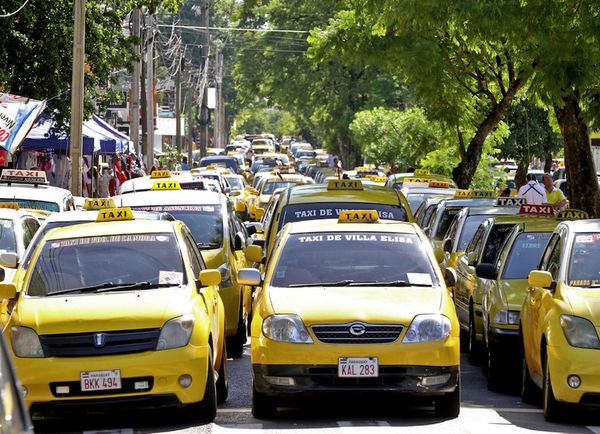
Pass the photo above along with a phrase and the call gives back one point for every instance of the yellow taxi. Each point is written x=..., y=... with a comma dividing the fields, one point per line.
x=396, y=180
x=417, y=190
x=326, y=201
x=267, y=186
x=210, y=218
x=559, y=320
x=309, y=338
x=504, y=288
x=121, y=311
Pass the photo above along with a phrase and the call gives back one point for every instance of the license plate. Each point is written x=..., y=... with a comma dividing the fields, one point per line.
x=100, y=380
x=358, y=367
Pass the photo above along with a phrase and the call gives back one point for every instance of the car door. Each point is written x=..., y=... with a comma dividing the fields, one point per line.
x=465, y=273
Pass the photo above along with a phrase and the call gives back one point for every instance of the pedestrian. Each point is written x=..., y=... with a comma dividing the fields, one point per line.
x=249, y=156
x=533, y=192
x=555, y=196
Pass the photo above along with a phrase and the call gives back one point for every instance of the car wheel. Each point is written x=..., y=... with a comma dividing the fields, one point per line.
x=263, y=406
x=235, y=343
x=530, y=393
x=474, y=347
x=205, y=411
x=554, y=411
x=223, y=380
x=494, y=372
x=448, y=405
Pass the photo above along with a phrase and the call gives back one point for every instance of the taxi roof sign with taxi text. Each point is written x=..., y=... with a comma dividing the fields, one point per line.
x=166, y=185
x=114, y=215
x=358, y=216
x=537, y=210
x=422, y=172
x=99, y=203
x=156, y=174
x=10, y=205
x=345, y=184
x=438, y=184
x=35, y=177
x=469, y=194
x=572, y=214
x=510, y=201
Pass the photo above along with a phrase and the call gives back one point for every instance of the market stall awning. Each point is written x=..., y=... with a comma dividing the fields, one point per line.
x=42, y=138
x=122, y=142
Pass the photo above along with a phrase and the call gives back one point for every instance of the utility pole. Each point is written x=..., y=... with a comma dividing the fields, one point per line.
x=219, y=109
x=204, y=114
x=190, y=122
x=178, y=106
x=134, y=109
x=150, y=93
x=77, y=94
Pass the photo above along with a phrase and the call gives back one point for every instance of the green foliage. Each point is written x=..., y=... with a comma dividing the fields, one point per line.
x=171, y=158
x=253, y=120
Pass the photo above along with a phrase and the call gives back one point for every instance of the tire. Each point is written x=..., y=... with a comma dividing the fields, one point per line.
x=530, y=393
x=205, y=411
x=474, y=346
x=493, y=371
x=235, y=343
x=223, y=381
x=448, y=405
x=554, y=411
x=263, y=406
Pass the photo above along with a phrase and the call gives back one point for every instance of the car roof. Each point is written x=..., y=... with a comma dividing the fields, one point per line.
x=169, y=197
x=454, y=202
x=46, y=193
x=91, y=215
x=332, y=225
x=315, y=193
x=591, y=225
x=491, y=210
x=528, y=222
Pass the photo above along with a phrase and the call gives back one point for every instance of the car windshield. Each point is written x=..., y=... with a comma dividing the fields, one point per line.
x=33, y=204
x=446, y=219
x=468, y=230
x=353, y=258
x=235, y=183
x=8, y=241
x=318, y=211
x=525, y=254
x=583, y=266
x=204, y=221
x=416, y=199
x=270, y=187
x=105, y=262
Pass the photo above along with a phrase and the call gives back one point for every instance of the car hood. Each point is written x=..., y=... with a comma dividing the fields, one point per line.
x=103, y=312
x=584, y=302
x=343, y=304
x=513, y=292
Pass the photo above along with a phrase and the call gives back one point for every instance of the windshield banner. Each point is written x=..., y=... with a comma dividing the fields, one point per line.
x=17, y=115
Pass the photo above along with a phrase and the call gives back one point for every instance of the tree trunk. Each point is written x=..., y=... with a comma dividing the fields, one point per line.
x=581, y=174
x=521, y=174
x=548, y=163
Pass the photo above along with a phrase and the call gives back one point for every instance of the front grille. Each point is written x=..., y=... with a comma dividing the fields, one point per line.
x=127, y=386
x=91, y=344
x=590, y=399
x=371, y=333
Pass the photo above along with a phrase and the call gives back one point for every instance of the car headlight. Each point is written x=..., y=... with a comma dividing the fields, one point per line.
x=286, y=328
x=225, y=271
x=176, y=333
x=507, y=317
x=25, y=342
x=428, y=328
x=579, y=332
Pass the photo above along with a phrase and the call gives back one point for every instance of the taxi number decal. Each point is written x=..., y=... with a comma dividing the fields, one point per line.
x=334, y=213
x=168, y=208
x=355, y=237
x=107, y=239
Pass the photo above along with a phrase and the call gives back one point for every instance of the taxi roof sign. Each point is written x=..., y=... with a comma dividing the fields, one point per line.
x=115, y=215
x=345, y=184
x=100, y=203
x=10, y=205
x=422, y=172
x=537, y=210
x=156, y=174
x=438, y=184
x=416, y=181
x=469, y=194
x=379, y=179
x=572, y=214
x=359, y=216
x=166, y=185
x=34, y=177
x=510, y=201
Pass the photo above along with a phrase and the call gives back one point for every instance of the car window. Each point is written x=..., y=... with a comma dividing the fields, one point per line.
x=194, y=255
x=8, y=239
x=27, y=233
x=476, y=241
x=525, y=254
x=494, y=242
x=468, y=230
x=448, y=215
x=583, y=264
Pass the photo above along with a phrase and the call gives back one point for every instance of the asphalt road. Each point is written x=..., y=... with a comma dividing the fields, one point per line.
x=482, y=411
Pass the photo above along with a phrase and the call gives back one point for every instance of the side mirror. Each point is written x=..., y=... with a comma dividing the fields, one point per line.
x=260, y=212
x=9, y=259
x=209, y=277
x=450, y=277
x=249, y=277
x=472, y=258
x=226, y=190
x=439, y=254
x=540, y=279
x=239, y=206
x=239, y=241
x=486, y=271
x=235, y=193
x=253, y=191
x=447, y=246
x=8, y=291
x=2, y=274
x=254, y=253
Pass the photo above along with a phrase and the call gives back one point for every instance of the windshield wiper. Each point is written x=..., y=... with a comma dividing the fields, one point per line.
x=391, y=283
x=340, y=283
x=207, y=245
x=111, y=286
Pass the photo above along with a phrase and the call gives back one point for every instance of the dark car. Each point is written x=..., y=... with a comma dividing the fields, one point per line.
x=218, y=160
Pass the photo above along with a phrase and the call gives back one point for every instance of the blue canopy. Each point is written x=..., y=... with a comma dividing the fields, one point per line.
x=41, y=138
x=122, y=142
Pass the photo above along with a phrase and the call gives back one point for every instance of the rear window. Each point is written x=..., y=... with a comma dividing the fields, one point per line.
x=318, y=211
x=525, y=254
x=446, y=219
x=468, y=230
x=34, y=204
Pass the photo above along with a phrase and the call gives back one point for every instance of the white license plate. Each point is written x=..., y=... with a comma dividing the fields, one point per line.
x=358, y=367
x=100, y=380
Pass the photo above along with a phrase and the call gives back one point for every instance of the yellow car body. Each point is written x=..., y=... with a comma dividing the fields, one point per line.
x=266, y=187
x=120, y=330
x=560, y=319
x=284, y=369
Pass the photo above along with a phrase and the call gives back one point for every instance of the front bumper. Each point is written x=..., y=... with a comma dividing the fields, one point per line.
x=307, y=379
x=231, y=297
x=504, y=341
x=566, y=361
x=160, y=369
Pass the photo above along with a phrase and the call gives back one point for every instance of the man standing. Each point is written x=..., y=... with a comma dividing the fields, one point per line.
x=555, y=196
x=533, y=192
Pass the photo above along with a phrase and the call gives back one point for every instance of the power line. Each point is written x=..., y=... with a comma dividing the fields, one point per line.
x=15, y=12
x=235, y=29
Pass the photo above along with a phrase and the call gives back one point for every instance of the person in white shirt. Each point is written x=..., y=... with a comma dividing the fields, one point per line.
x=533, y=192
